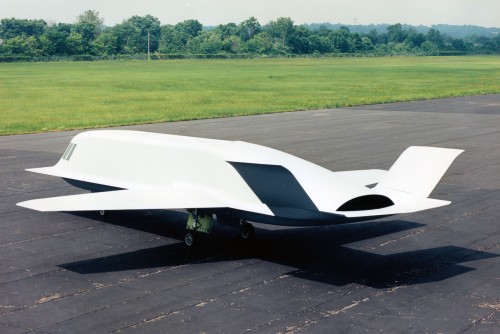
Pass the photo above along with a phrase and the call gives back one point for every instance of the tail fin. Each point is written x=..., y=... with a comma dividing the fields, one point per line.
x=418, y=170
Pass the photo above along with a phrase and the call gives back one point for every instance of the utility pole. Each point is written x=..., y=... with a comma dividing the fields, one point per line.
x=149, y=44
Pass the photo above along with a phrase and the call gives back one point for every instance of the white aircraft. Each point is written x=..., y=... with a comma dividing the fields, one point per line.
x=131, y=170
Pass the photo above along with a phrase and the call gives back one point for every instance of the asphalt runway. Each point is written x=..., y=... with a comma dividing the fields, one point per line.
x=437, y=271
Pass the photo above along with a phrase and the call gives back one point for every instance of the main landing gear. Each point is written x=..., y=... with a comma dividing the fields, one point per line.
x=247, y=231
x=200, y=222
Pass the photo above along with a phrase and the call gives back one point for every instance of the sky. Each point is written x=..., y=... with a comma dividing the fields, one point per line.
x=484, y=13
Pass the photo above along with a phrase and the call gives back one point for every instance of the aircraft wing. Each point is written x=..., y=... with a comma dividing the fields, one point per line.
x=143, y=199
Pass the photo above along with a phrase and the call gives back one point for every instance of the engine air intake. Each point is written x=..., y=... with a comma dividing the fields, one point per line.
x=367, y=202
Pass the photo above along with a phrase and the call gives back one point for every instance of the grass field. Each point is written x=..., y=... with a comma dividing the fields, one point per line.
x=39, y=97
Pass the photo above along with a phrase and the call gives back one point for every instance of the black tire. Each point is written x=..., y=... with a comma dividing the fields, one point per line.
x=190, y=239
x=247, y=232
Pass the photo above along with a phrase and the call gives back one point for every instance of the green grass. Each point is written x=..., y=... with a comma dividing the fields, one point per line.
x=36, y=97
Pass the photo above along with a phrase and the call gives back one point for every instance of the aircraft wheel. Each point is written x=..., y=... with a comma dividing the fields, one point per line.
x=247, y=231
x=189, y=238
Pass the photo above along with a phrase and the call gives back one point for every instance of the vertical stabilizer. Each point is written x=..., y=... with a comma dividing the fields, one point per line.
x=418, y=170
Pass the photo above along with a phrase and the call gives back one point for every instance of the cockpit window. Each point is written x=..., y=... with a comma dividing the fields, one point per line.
x=69, y=151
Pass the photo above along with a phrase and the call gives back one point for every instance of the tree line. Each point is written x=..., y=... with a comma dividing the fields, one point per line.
x=88, y=38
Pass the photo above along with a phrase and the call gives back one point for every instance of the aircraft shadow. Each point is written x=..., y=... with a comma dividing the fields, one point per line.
x=317, y=254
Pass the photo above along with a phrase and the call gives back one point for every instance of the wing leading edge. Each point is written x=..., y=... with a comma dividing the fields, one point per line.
x=144, y=199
